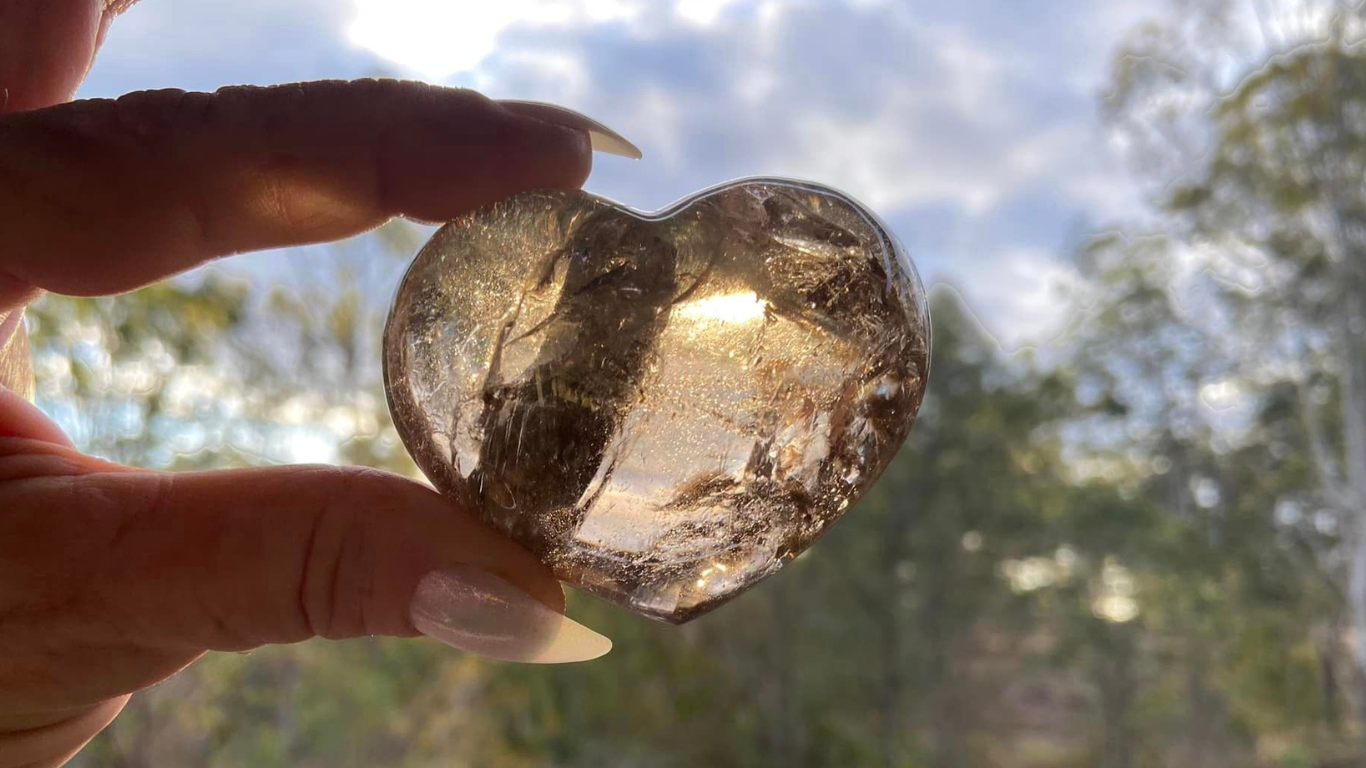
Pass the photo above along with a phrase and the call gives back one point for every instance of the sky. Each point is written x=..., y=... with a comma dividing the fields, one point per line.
x=972, y=127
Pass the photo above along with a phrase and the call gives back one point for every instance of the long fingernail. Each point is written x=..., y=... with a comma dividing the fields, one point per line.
x=473, y=610
x=604, y=139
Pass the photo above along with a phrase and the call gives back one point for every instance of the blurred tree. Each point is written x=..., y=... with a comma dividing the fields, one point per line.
x=1254, y=129
x=1013, y=592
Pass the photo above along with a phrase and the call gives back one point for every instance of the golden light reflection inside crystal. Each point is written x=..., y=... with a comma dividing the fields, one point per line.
x=738, y=307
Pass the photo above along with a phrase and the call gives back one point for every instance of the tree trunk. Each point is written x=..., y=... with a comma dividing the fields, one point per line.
x=1353, y=385
x=1117, y=690
x=786, y=734
x=286, y=707
x=891, y=692
x=1356, y=609
x=889, y=706
x=889, y=610
x=940, y=691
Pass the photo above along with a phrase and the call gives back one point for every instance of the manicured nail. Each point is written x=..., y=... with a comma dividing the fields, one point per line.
x=473, y=610
x=604, y=139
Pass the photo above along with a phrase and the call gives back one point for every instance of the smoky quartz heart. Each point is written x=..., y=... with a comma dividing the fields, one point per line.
x=665, y=407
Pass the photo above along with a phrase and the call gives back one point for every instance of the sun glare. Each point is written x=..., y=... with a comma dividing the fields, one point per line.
x=739, y=307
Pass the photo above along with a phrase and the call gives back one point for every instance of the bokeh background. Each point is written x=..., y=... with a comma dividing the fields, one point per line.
x=1129, y=528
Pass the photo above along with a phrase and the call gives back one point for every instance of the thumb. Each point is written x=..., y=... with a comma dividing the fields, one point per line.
x=235, y=559
x=46, y=47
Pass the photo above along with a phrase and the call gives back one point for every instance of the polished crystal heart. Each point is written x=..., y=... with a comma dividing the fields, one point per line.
x=664, y=407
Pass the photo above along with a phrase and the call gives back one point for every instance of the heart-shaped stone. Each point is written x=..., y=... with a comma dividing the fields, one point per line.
x=664, y=407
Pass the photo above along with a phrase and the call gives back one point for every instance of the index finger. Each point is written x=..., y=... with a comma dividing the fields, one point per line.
x=104, y=196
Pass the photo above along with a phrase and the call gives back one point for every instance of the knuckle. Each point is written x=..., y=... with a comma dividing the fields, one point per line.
x=148, y=118
x=56, y=535
x=340, y=563
x=24, y=458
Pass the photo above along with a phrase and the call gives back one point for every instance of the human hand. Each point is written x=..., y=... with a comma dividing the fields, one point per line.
x=113, y=578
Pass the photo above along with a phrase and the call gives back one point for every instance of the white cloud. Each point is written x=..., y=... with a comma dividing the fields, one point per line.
x=702, y=12
x=974, y=72
x=1022, y=295
x=556, y=71
x=438, y=38
x=204, y=44
x=657, y=118
x=883, y=162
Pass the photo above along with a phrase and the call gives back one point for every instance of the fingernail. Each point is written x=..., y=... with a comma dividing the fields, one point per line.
x=473, y=610
x=604, y=139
